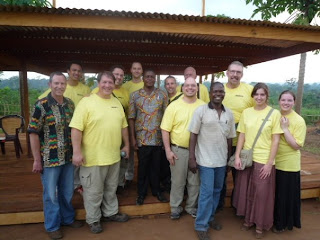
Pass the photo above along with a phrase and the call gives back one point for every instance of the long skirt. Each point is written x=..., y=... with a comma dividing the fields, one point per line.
x=287, y=211
x=239, y=199
x=260, y=199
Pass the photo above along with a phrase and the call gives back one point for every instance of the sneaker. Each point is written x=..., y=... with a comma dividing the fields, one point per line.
x=119, y=217
x=161, y=198
x=75, y=224
x=275, y=230
x=95, y=227
x=55, y=234
x=215, y=225
x=140, y=200
x=176, y=214
x=203, y=235
x=193, y=212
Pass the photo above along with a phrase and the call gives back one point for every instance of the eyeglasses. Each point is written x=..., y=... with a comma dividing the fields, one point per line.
x=233, y=72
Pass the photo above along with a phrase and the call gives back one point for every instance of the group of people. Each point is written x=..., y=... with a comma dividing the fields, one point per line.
x=85, y=140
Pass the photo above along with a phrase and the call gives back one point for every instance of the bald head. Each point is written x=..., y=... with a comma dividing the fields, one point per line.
x=190, y=72
x=190, y=87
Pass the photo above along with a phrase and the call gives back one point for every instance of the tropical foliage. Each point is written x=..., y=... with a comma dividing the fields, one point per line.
x=34, y=3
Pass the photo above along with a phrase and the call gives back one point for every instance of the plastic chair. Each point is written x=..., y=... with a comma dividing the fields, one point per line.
x=11, y=126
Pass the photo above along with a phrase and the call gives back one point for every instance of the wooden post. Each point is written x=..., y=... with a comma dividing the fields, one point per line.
x=24, y=101
x=158, y=81
x=54, y=3
x=203, y=8
x=200, y=79
x=212, y=78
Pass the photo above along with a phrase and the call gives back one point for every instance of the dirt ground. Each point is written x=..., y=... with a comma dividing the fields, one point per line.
x=313, y=140
x=161, y=227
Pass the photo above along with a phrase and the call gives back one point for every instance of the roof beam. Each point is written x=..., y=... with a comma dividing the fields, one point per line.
x=156, y=25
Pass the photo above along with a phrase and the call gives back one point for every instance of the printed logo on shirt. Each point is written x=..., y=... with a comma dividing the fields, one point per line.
x=237, y=95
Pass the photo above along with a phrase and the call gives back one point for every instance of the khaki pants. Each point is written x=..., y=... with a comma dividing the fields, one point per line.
x=123, y=169
x=99, y=191
x=180, y=176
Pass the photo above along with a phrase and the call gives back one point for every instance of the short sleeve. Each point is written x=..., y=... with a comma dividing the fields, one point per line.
x=80, y=116
x=276, y=128
x=195, y=123
x=232, y=133
x=132, y=107
x=167, y=120
x=241, y=125
x=299, y=133
x=36, y=122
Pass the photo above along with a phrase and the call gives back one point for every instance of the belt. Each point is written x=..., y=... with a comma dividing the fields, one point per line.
x=179, y=146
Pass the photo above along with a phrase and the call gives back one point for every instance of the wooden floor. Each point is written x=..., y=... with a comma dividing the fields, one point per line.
x=21, y=190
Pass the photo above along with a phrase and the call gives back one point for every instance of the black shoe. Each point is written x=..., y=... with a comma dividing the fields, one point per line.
x=120, y=190
x=161, y=198
x=128, y=183
x=139, y=200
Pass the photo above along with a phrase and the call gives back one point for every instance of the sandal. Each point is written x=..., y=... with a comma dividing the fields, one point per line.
x=275, y=230
x=259, y=234
x=245, y=227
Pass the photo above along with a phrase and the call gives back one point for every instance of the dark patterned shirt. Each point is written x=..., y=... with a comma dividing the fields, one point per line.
x=147, y=110
x=50, y=120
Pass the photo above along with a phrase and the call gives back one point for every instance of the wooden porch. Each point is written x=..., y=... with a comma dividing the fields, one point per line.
x=21, y=190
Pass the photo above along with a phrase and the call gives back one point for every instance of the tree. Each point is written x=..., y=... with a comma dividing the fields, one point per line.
x=34, y=3
x=305, y=11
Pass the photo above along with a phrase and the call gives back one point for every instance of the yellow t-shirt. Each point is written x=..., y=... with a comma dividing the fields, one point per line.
x=288, y=159
x=238, y=99
x=203, y=90
x=101, y=122
x=176, y=95
x=122, y=94
x=176, y=120
x=250, y=122
x=75, y=93
x=132, y=86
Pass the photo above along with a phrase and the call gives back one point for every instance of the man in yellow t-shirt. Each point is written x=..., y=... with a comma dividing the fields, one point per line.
x=98, y=124
x=134, y=85
x=170, y=84
x=237, y=98
x=75, y=89
x=202, y=92
x=122, y=95
x=175, y=135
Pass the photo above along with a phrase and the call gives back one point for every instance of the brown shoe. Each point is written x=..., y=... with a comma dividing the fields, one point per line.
x=259, y=234
x=245, y=227
x=119, y=217
x=95, y=227
x=75, y=224
x=55, y=234
x=203, y=235
x=215, y=225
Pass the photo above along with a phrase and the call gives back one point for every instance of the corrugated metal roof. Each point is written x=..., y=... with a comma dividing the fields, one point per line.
x=51, y=48
x=163, y=16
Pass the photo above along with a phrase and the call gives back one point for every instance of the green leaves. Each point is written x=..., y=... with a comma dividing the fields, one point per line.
x=271, y=8
x=34, y=3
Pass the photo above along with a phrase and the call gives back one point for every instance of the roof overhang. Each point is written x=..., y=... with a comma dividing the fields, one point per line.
x=46, y=39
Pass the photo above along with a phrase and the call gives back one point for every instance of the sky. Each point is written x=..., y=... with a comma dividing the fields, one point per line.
x=276, y=71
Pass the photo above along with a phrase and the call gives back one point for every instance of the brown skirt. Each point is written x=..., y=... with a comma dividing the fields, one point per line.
x=239, y=198
x=260, y=199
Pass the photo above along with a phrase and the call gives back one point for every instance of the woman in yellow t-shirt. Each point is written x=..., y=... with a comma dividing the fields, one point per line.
x=254, y=190
x=287, y=201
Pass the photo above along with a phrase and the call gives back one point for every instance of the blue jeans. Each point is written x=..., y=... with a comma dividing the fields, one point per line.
x=57, y=196
x=211, y=183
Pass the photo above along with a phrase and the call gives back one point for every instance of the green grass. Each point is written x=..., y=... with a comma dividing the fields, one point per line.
x=311, y=149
